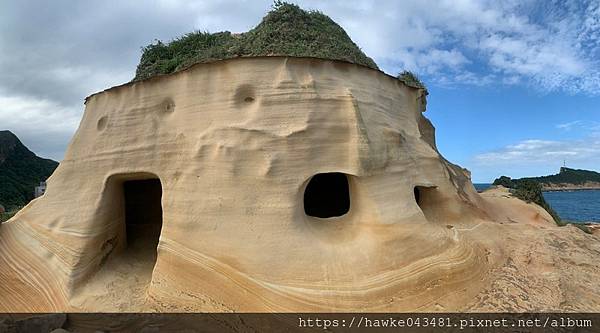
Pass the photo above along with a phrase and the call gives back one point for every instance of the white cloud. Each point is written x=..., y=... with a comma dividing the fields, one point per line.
x=590, y=127
x=541, y=45
x=43, y=125
x=569, y=126
x=38, y=115
x=543, y=152
x=534, y=157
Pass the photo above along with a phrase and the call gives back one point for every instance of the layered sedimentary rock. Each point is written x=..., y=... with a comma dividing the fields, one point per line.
x=258, y=184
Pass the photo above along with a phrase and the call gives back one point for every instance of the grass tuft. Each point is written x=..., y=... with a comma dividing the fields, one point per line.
x=412, y=80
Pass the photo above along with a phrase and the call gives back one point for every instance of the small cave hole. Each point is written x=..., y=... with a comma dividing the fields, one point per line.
x=327, y=195
x=168, y=106
x=249, y=99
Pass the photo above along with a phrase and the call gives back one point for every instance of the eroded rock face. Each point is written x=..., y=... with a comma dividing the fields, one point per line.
x=215, y=162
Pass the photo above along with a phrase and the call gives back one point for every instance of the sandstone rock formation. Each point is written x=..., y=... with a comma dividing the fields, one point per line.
x=277, y=184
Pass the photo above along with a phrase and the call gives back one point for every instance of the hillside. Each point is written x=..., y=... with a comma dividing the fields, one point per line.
x=567, y=176
x=287, y=30
x=566, y=179
x=20, y=171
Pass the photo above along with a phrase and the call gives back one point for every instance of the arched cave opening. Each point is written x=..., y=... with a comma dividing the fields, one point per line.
x=132, y=206
x=428, y=199
x=143, y=214
x=327, y=195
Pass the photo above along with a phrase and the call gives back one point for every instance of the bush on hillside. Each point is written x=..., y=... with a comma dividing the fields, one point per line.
x=504, y=181
x=531, y=191
x=8, y=214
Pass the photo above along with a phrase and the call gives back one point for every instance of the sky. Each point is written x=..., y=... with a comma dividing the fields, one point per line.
x=514, y=85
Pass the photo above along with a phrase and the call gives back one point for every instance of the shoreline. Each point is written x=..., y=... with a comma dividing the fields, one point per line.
x=569, y=189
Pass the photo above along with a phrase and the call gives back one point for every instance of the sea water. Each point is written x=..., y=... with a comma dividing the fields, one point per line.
x=576, y=206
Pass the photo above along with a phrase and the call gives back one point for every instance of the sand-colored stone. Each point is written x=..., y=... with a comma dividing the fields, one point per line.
x=234, y=144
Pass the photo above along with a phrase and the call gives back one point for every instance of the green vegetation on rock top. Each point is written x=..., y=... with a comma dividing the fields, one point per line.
x=287, y=30
x=410, y=79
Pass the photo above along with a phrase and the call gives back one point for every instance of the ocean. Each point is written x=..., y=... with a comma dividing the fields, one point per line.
x=576, y=206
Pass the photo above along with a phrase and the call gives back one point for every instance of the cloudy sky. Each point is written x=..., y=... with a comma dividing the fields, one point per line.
x=515, y=85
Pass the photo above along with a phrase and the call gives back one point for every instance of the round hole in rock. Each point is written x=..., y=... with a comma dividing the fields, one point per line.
x=249, y=99
x=327, y=195
x=101, y=125
x=168, y=106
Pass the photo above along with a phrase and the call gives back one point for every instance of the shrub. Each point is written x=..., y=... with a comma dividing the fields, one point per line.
x=287, y=30
x=7, y=215
x=531, y=191
x=582, y=227
x=410, y=79
x=504, y=181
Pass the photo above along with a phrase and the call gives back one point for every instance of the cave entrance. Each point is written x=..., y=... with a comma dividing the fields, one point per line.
x=327, y=195
x=428, y=199
x=131, y=208
x=143, y=215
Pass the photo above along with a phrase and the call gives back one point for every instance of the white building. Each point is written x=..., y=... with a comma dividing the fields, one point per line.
x=40, y=190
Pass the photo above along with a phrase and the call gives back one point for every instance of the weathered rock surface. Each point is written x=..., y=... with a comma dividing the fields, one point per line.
x=234, y=145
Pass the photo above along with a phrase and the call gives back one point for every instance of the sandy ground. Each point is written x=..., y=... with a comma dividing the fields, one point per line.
x=122, y=282
x=546, y=267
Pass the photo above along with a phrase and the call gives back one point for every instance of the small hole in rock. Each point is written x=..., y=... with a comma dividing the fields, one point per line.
x=249, y=99
x=102, y=123
x=169, y=107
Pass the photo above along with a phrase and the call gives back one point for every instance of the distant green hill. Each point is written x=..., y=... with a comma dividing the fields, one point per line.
x=565, y=176
x=568, y=176
x=20, y=171
x=287, y=30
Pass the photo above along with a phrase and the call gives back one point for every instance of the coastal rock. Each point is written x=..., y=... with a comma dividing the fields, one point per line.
x=588, y=185
x=277, y=184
